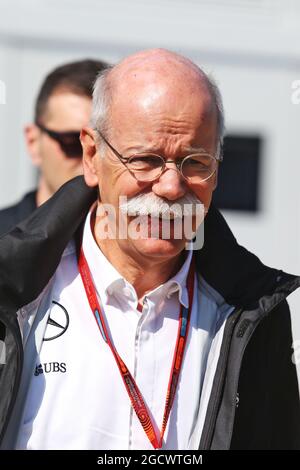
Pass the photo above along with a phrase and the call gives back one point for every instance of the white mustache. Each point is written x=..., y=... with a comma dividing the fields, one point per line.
x=155, y=206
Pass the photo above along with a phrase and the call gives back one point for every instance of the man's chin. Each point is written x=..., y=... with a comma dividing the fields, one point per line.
x=157, y=247
x=153, y=236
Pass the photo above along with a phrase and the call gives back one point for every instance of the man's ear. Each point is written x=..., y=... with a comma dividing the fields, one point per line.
x=90, y=156
x=32, y=134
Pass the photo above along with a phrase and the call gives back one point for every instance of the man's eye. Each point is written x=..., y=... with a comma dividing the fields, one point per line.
x=193, y=161
x=144, y=162
x=199, y=164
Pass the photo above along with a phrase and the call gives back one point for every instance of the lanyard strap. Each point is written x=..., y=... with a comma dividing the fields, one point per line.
x=133, y=391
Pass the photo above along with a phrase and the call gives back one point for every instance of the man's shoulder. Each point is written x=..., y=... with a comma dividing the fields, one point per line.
x=12, y=215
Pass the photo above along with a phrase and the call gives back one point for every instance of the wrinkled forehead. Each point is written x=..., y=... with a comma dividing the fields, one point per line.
x=154, y=110
x=173, y=91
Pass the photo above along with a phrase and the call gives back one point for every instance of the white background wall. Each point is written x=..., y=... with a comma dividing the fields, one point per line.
x=251, y=46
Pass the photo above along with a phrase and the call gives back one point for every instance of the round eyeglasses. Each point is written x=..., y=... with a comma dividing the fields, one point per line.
x=195, y=168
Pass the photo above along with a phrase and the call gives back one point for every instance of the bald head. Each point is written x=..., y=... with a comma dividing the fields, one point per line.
x=156, y=63
x=155, y=81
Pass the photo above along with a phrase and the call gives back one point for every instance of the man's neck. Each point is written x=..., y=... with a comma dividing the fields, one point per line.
x=43, y=192
x=143, y=273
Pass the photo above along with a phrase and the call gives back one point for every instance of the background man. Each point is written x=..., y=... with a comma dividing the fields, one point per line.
x=158, y=347
x=62, y=108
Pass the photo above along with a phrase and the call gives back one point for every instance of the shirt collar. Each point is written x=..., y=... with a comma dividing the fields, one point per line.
x=178, y=282
x=105, y=275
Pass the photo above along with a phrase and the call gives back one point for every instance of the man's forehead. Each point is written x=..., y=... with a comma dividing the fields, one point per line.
x=68, y=109
x=161, y=99
x=150, y=77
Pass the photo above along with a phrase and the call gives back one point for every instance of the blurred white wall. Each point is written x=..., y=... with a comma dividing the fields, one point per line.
x=251, y=46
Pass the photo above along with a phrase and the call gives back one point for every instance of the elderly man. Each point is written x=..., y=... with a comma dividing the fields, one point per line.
x=124, y=341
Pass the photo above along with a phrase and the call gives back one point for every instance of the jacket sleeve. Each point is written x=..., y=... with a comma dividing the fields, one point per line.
x=268, y=414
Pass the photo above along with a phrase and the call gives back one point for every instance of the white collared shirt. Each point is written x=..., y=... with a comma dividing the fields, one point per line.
x=77, y=399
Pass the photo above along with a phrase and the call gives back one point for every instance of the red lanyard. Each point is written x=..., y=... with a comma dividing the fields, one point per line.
x=133, y=391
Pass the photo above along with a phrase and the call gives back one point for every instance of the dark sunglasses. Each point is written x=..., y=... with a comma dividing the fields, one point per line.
x=69, y=141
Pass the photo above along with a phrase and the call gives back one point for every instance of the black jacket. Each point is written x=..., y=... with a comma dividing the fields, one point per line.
x=11, y=216
x=254, y=403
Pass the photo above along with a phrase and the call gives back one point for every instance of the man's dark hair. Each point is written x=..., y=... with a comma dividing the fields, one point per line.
x=75, y=77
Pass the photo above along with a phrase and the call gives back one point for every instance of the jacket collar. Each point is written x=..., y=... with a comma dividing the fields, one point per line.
x=30, y=254
x=238, y=275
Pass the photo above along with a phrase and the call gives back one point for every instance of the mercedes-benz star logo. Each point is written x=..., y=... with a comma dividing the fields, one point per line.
x=57, y=323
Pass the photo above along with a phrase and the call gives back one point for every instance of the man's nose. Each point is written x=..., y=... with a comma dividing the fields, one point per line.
x=171, y=184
